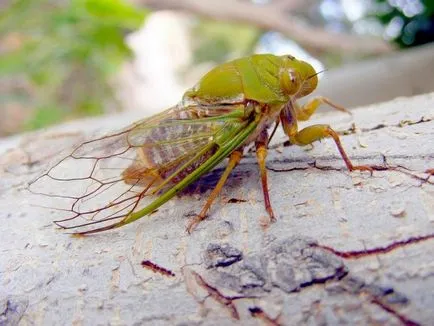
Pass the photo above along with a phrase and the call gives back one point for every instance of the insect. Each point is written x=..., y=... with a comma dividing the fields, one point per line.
x=233, y=105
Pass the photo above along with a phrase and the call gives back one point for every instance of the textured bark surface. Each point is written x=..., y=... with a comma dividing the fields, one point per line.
x=347, y=248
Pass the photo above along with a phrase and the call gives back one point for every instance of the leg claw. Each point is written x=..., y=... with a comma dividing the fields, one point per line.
x=271, y=215
x=363, y=168
x=193, y=223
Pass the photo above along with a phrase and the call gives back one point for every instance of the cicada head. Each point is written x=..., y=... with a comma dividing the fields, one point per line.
x=297, y=77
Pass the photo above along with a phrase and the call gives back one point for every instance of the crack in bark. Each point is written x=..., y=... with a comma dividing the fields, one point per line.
x=353, y=129
x=400, y=124
x=365, y=157
x=355, y=254
x=340, y=273
x=356, y=286
x=219, y=297
x=326, y=168
x=409, y=172
x=157, y=269
x=383, y=297
x=405, y=320
x=236, y=201
x=376, y=295
x=385, y=167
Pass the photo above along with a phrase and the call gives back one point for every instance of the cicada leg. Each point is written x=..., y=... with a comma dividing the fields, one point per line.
x=313, y=133
x=291, y=112
x=234, y=159
x=304, y=112
x=261, y=155
x=276, y=124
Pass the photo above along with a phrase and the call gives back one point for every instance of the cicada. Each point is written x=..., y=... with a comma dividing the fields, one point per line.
x=232, y=106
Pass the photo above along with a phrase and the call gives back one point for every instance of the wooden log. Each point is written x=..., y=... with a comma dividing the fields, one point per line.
x=347, y=248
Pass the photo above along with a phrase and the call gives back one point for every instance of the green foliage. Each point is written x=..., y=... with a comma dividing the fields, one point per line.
x=415, y=26
x=44, y=116
x=66, y=51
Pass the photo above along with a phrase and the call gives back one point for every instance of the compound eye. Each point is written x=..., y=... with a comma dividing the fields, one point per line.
x=292, y=77
x=290, y=81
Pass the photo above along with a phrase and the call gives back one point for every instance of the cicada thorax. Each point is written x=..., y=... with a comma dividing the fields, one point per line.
x=253, y=78
x=268, y=81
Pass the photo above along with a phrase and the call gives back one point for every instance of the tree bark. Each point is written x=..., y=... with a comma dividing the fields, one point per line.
x=347, y=247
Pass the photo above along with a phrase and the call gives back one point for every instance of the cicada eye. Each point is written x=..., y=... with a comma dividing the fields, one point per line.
x=290, y=81
x=292, y=77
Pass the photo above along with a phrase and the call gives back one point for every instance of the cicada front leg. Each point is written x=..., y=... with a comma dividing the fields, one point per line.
x=305, y=111
x=313, y=133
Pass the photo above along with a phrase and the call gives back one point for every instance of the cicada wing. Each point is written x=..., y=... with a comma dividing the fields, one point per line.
x=104, y=180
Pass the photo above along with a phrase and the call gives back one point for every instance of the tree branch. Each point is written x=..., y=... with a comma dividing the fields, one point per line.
x=272, y=17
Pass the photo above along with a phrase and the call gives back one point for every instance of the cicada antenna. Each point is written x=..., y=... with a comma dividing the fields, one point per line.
x=308, y=78
x=316, y=74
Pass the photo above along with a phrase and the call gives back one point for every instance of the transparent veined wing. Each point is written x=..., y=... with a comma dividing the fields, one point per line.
x=104, y=180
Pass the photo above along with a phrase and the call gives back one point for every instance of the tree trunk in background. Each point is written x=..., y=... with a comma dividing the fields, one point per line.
x=405, y=73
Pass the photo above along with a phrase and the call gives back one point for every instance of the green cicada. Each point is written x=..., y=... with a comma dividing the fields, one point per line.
x=232, y=106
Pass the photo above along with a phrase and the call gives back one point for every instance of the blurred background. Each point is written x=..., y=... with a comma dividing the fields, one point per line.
x=63, y=60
